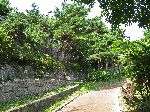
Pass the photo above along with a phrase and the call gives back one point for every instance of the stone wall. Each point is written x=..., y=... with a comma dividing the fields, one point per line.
x=21, y=88
x=40, y=104
x=18, y=82
x=11, y=72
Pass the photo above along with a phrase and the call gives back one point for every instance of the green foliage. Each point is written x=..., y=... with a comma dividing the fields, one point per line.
x=5, y=45
x=104, y=76
x=77, y=37
x=123, y=11
x=5, y=9
x=142, y=106
x=27, y=35
x=135, y=57
x=99, y=75
x=82, y=38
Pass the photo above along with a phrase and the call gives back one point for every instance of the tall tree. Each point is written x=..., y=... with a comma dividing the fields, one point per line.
x=82, y=38
x=28, y=35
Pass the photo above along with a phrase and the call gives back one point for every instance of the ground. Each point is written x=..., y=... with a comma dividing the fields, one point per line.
x=104, y=100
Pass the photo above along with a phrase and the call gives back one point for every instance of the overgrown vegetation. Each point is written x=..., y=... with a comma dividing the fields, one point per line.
x=134, y=55
x=136, y=61
x=69, y=40
x=81, y=44
x=105, y=76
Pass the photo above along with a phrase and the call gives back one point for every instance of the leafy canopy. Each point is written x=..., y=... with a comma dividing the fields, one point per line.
x=83, y=39
x=4, y=8
x=124, y=11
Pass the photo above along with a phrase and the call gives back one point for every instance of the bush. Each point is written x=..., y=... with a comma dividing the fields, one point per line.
x=104, y=75
x=143, y=107
x=136, y=55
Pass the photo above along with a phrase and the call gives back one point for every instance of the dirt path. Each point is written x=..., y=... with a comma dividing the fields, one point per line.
x=105, y=100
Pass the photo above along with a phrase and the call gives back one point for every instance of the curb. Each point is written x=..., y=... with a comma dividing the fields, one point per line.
x=68, y=101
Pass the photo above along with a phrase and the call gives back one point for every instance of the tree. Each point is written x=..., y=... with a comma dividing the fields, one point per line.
x=5, y=46
x=71, y=28
x=135, y=58
x=69, y=32
x=4, y=8
x=27, y=35
x=84, y=40
x=124, y=11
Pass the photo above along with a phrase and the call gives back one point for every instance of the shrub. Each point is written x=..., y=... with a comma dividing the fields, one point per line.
x=143, y=107
x=104, y=75
x=136, y=55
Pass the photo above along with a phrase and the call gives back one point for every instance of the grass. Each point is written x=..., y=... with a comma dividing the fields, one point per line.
x=28, y=99
x=85, y=87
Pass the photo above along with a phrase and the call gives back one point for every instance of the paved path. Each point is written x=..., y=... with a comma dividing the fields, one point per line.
x=105, y=100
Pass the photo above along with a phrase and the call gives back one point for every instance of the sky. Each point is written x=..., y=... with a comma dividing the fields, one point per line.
x=49, y=5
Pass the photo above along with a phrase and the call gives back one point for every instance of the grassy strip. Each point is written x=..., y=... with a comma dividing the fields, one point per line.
x=28, y=99
x=85, y=87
